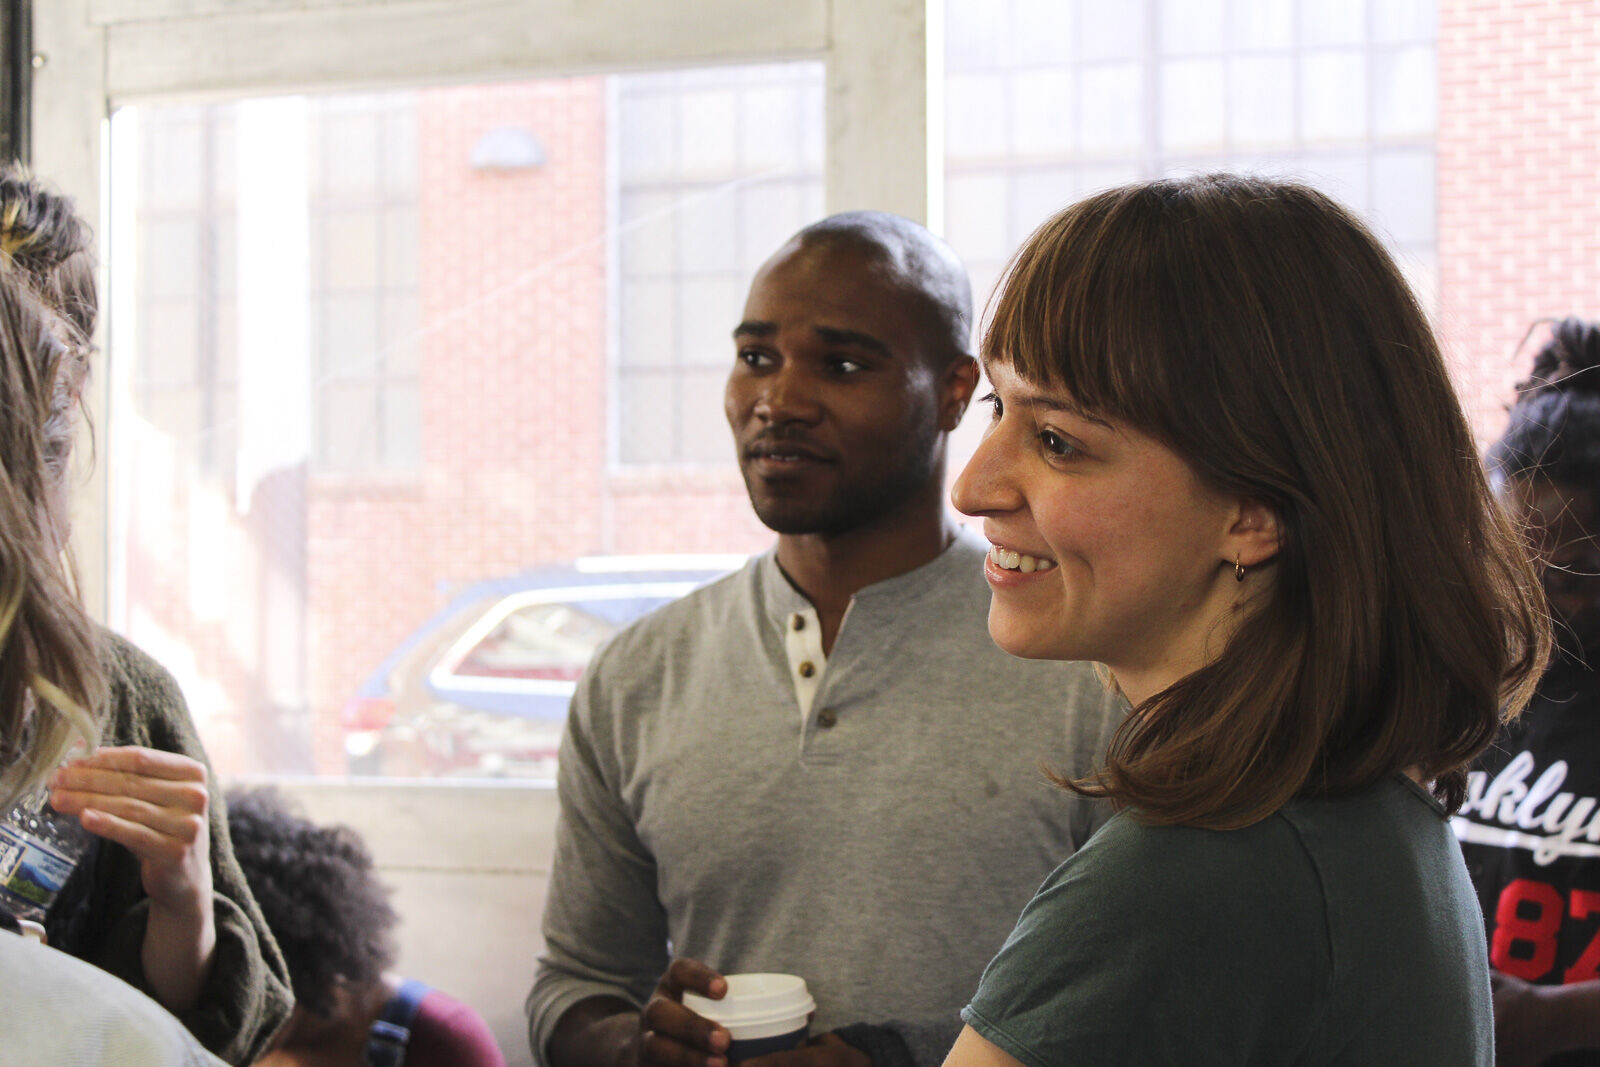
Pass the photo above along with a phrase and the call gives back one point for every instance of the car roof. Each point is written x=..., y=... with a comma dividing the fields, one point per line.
x=606, y=575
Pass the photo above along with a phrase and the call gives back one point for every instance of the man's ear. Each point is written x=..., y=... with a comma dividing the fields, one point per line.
x=958, y=383
x=1255, y=534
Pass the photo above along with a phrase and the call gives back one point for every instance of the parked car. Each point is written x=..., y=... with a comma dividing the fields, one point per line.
x=481, y=688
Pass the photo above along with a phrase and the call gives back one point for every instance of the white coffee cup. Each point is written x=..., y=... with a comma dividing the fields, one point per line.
x=762, y=1013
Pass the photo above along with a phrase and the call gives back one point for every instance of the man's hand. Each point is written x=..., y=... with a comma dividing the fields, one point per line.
x=670, y=1035
x=1534, y=1022
x=155, y=805
x=608, y=1031
x=825, y=1051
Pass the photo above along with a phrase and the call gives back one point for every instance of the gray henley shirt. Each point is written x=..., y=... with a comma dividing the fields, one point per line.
x=881, y=844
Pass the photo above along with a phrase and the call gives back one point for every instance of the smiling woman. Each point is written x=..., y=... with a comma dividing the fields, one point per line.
x=1224, y=437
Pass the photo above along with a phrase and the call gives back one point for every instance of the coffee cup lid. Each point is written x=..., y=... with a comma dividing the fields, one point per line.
x=756, y=1000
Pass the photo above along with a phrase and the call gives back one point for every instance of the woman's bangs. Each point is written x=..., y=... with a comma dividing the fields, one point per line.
x=1058, y=312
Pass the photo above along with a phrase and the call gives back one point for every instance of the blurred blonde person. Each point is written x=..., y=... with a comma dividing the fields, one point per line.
x=157, y=900
x=57, y=1009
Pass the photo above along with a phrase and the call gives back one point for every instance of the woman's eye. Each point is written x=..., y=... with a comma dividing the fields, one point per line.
x=1055, y=444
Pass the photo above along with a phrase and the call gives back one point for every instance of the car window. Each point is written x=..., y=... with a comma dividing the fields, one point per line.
x=551, y=641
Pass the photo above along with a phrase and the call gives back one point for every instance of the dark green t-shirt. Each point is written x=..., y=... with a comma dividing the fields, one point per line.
x=1334, y=932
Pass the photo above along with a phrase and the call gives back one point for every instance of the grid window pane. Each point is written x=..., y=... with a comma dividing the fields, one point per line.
x=977, y=215
x=1043, y=112
x=649, y=324
x=712, y=119
x=1406, y=103
x=1042, y=31
x=1194, y=104
x=1261, y=100
x=647, y=416
x=1333, y=96
x=1403, y=197
x=703, y=433
x=1111, y=102
x=1110, y=31
x=350, y=429
x=648, y=137
x=743, y=176
x=708, y=310
x=706, y=220
x=349, y=337
x=1331, y=22
x=1258, y=25
x=1404, y=21
x=648, y=236
x=976, y=110
x=1189, y=26
x=1036, y=195
x=432, y=374
x=1339, y=93
x=976, y=38
x=350, y=250
x=769, y=212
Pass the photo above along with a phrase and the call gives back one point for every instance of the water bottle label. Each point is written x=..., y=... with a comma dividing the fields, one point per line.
x=30, y=870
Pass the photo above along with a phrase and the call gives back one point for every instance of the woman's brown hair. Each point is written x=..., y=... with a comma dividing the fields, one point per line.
x=1261, y=332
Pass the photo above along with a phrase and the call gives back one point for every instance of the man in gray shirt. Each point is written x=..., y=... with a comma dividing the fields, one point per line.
x=820, y=765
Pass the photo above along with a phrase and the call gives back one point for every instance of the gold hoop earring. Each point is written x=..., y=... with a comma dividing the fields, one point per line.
x=1238, y=570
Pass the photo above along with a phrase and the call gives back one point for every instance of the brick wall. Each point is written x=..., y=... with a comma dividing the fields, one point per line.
x=514, y=473
x=1519, y=183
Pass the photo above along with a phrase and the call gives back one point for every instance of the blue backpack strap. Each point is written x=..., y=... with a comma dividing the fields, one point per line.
x=391, y=1032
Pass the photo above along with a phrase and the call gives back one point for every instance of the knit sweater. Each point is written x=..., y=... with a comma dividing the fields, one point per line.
x=101, y=912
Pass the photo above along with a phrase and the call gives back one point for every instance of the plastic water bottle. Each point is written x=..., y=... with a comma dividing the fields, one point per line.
x=39, y=847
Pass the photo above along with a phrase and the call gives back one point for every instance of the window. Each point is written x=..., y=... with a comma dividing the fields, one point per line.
x=366, y=346
x=396, y=345
x=715, y=169
x=1049, y=100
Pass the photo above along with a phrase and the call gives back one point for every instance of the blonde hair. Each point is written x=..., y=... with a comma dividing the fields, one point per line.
x=51, y=673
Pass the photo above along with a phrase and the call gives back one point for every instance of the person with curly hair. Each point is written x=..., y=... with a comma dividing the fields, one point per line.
x=334, y=923
x=156, y=899
x=1533, y=804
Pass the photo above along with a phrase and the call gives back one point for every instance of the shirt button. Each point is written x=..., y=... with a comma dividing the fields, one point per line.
x=807, y=669
x=799, y=622
x=826, y=718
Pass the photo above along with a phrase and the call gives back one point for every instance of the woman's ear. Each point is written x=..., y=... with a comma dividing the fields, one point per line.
x=1254, y=536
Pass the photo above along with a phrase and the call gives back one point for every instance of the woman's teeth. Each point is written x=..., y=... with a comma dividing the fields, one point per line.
x=1016, y=561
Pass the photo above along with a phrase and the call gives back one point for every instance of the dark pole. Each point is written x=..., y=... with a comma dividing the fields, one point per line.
x=16, y=80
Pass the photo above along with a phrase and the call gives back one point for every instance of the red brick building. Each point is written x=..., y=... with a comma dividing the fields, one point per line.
x=1519, y=183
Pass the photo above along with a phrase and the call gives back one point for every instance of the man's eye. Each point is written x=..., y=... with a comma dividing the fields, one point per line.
x=995, y=407
x=753, y=357
x=840, y=365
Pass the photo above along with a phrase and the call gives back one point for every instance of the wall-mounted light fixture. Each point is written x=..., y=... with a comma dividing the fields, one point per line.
x=508, y=148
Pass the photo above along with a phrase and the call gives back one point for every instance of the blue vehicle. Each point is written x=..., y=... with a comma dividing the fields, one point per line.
x=481, y=688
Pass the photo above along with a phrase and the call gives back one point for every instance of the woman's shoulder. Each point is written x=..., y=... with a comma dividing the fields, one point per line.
x=145, y=705
x=130, y=668
x=1188, y=861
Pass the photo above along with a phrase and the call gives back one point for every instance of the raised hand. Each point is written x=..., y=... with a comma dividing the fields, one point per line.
x=154, y=804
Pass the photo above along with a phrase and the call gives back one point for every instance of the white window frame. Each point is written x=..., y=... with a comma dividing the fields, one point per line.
x=884, y=93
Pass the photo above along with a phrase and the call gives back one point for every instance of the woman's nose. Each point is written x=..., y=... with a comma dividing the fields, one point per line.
x=985, y=485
